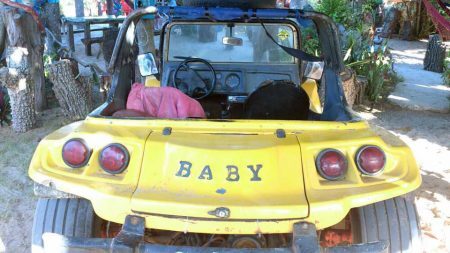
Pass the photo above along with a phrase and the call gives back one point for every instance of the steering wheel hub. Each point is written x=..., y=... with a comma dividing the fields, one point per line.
x=192, y=82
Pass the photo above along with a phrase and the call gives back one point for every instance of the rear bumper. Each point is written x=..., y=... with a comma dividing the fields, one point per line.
x=131, y=236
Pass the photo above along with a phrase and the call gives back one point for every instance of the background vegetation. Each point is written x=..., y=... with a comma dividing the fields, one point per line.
x=357, y=24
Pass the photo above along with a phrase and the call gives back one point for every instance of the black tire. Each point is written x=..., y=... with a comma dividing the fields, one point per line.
x=232, y=3
x=69, y=217
x=394, y=220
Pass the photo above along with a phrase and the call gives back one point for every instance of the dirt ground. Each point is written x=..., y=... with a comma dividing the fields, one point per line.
x=420, y=89
x=428, y=134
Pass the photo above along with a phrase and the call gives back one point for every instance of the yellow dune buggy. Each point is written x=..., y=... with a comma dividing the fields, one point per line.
x=277, y=162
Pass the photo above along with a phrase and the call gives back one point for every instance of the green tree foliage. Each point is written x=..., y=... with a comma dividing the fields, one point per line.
x=360, y=53
x=338, y=10
x=310, y=41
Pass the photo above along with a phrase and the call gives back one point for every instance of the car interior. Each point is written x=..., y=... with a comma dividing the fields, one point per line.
x=233, y=70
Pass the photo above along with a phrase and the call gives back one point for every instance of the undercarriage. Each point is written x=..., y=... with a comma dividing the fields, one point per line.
x=133, y=237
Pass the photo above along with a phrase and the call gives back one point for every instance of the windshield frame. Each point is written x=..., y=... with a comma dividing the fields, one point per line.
x=165, y=37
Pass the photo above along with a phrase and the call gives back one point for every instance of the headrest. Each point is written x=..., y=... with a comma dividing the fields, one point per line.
x=278, y=99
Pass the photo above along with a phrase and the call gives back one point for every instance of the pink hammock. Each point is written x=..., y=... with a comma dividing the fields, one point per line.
x=440, y=22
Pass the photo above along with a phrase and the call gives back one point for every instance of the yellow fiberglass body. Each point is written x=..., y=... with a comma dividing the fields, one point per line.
x=181, y=172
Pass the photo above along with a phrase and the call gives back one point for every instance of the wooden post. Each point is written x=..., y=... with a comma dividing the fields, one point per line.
x=24, y=74
x=71, y=37
x=435, y=54
x=87, y=38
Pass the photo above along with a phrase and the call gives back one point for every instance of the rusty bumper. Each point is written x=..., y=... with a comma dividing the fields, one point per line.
x=130, y=239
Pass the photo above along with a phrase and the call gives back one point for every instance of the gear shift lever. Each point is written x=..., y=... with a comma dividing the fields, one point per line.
x=225, y=113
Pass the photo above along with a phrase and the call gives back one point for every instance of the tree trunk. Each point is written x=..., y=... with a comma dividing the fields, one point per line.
x=407, y=30
x=22, y=32
x=24, y=75
x=350, y=86
x=435, y=55
x=146, y=41
x=37, y=72
x=3, y=34
x=79, y=8
x=79, y=11
x=109, y=7
x=17, y=79
x=51, y=19
x=391, y=23
x=354, y=87
x=362, y=83
x=74, y=95
x=99, y=8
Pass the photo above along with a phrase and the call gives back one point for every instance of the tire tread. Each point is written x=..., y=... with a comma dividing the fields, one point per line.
x=69, y=217
x=394, y=220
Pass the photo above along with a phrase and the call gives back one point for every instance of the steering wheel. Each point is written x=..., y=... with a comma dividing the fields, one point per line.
x=193, y=84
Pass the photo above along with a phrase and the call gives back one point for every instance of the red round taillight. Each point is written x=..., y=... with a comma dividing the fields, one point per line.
x=331, y=164
x=75, y=153
x=114, y=158
x=370, y=160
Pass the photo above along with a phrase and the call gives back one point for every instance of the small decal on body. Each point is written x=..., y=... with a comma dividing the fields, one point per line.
x=221, y=191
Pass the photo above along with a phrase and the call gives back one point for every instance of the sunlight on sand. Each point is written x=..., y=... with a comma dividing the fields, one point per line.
x=432, y=198
x=2, y=246
x=398, y=98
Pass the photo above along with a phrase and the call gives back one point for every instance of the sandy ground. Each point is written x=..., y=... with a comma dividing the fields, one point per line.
x=420, y=89
x=428, y=135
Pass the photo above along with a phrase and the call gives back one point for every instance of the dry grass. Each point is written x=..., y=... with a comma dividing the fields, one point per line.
x=16, y=188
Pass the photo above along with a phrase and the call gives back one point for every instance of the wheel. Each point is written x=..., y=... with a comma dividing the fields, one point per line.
x=232, y=3
x=69, y=217
x=393, y=220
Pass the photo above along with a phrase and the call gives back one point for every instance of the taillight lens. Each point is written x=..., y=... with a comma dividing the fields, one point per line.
x=114, y=158
x=331, y=164
x=75, y=153
x=370, y=160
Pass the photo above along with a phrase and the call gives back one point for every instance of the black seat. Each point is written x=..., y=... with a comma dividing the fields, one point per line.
x=278, y=99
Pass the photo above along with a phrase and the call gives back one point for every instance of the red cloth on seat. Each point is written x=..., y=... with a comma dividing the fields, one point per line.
x=163, y=102
x=129, y=114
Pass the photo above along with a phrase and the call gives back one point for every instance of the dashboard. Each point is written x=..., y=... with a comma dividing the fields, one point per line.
x=235, y=79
